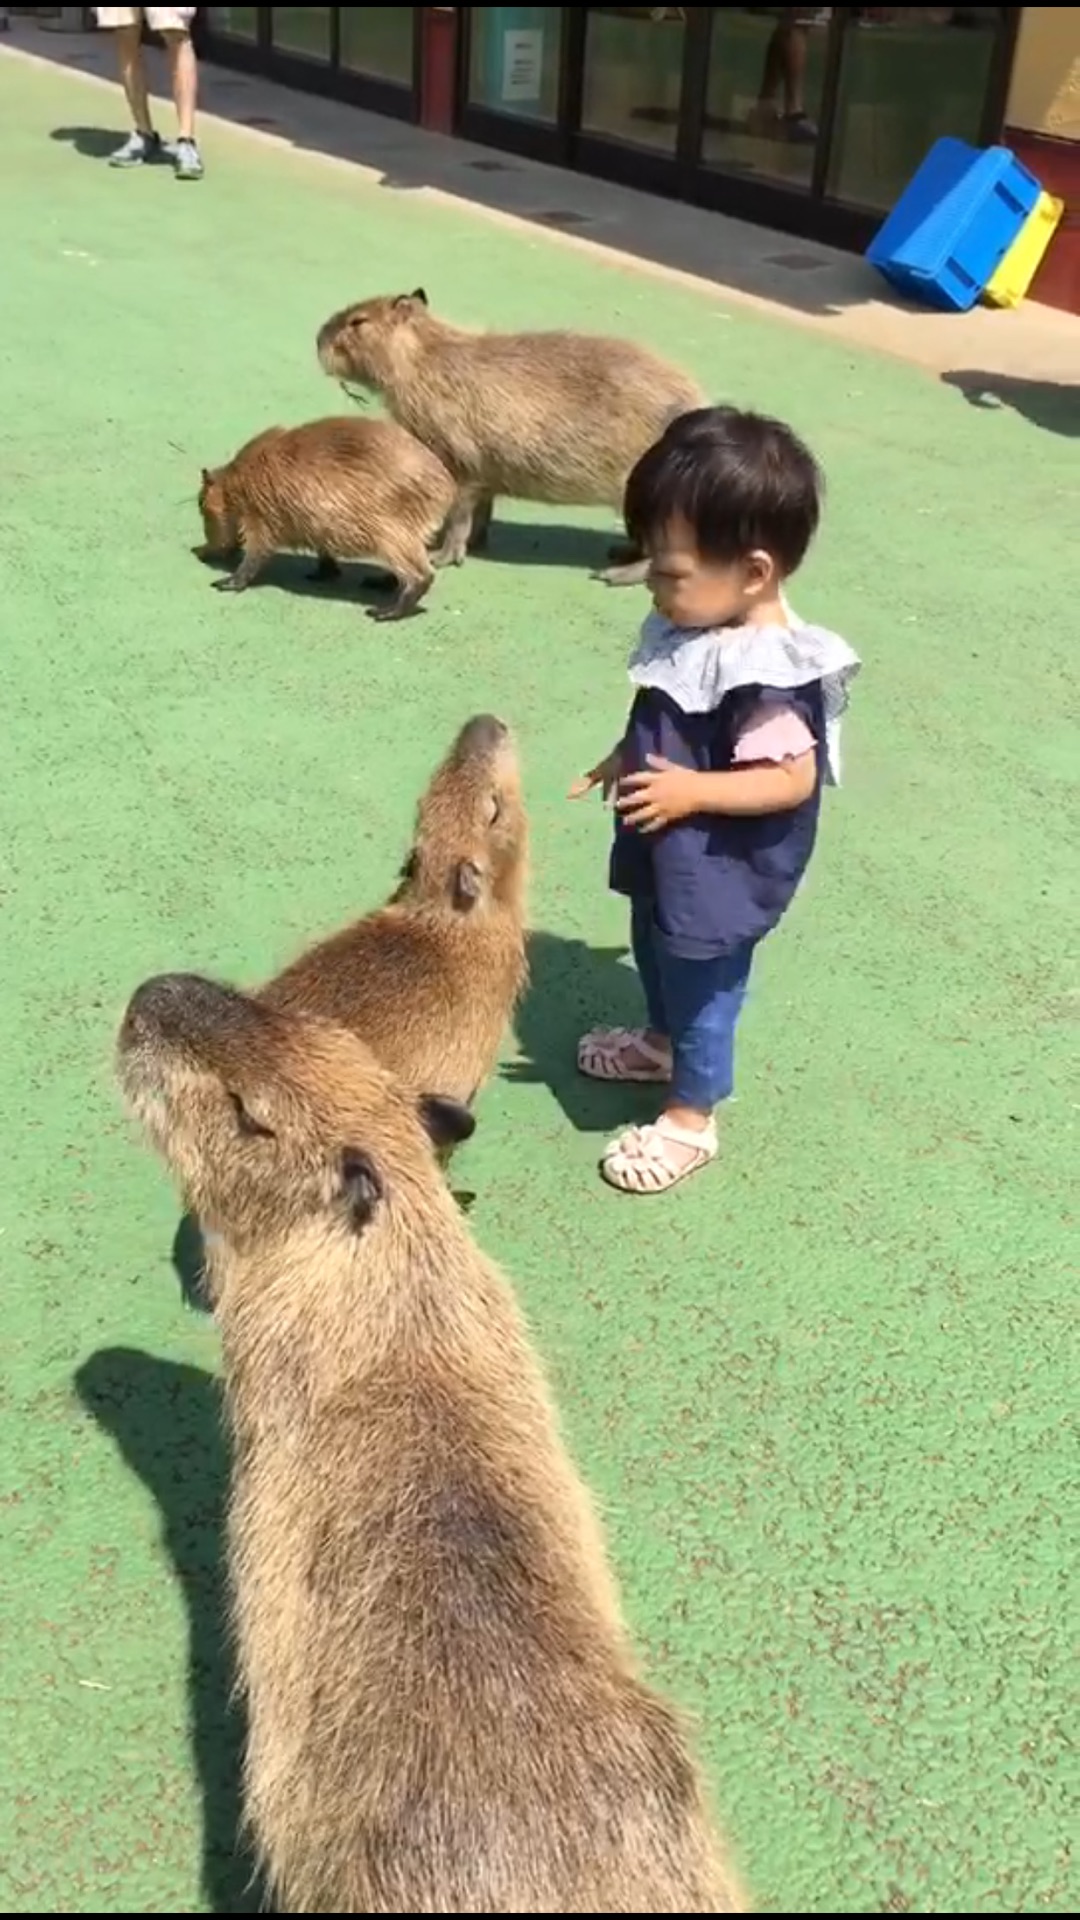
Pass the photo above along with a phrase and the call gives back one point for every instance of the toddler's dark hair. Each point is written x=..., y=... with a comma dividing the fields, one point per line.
x=739, y=480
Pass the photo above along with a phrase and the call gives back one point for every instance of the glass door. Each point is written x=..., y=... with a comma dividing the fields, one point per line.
x=304, y=32
x=907, y=75
x=765, y=92
x=632, y=76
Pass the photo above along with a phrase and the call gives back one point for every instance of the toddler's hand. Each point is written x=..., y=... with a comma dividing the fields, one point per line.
x=650, y=801
x=604, y=775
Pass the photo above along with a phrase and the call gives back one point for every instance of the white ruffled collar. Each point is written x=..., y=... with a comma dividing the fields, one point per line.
x=698, y=667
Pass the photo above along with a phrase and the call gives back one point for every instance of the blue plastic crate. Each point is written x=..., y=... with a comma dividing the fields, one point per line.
x=954, y=224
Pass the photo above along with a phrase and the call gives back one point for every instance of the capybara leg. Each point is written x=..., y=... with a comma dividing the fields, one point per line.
x=248, y=571
x=454, y=544
x=414, y=577
x=481, y=523
x=325, y=568
x=634, y=574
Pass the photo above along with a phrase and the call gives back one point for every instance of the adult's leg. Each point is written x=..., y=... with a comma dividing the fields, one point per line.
x=142, y=144
x=184, y=73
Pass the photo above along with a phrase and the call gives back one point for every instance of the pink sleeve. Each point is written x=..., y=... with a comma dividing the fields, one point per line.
x=773, y=733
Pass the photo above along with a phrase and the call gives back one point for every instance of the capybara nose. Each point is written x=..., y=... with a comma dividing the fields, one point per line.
x=482, y=734
x=169, y=1000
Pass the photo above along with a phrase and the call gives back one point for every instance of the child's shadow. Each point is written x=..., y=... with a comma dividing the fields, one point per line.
x=573, y=987
x=166, y=1420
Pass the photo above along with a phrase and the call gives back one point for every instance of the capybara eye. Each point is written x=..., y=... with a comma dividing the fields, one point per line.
x=247, y=1122
x=496, y=809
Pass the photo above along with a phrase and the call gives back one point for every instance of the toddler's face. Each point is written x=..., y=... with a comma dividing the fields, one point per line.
x=692, y=591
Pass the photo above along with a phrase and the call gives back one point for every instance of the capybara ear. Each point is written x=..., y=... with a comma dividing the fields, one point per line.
x=446, y=1122
x=468, y=884
x=206, y=476
x=361, y=1184
x=419, y=294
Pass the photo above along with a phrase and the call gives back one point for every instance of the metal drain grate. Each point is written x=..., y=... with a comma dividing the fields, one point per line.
x=490, y=166
x=260, y=124
x=796, y=262
x=563, y=217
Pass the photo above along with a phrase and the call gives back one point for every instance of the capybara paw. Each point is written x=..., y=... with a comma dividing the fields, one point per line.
x=229, y=584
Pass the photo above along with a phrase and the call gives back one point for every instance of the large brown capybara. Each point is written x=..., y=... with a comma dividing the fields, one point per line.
x=558, y=417
x=445, y=1713
x=430, y=979
x=342, y=489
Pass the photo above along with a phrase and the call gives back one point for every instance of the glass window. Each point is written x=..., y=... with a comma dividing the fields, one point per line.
x=514, y=60
x=237, y=23
x=304, y=31
x=379, y=41
x=763, y=99
x=633, y=74
x=908, y=75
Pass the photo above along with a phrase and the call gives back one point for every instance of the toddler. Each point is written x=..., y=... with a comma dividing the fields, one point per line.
x=733, y=731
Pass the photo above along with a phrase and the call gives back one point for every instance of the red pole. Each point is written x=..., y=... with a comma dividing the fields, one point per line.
x=438, y=68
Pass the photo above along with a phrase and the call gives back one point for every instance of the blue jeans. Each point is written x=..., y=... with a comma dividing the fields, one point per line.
x=696, y=1004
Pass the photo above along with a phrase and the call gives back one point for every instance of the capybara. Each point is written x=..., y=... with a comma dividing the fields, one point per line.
x=343, y=489
x=445, y=1714
x=430, y=979
x=559, y=417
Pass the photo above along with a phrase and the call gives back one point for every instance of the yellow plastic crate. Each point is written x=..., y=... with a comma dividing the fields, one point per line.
x=1008, y=285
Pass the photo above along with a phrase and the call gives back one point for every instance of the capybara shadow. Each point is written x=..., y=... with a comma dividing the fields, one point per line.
x=572, y=988
x=289, y=573
x=165, y=1419
x=519, y=543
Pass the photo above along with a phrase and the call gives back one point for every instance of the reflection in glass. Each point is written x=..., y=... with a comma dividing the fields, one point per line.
x=514, y=60
x=908, y=75
x=301, y=30
x=763, y=99
x=378, y=41
x=633, y=74
x=239, y=23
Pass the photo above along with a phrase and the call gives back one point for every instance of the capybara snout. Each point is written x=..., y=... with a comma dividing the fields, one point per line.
x=470, y=845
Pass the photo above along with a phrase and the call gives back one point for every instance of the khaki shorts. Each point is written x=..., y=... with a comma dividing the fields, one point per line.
x=158, y=19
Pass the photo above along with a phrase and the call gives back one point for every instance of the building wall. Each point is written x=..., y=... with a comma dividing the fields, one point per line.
x=1044, y=93
x=1043, y=130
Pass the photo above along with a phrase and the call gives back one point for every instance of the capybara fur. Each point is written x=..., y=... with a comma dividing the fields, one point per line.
x=342, y=489
x=558, y=417
x=445, y=1714
x=430, y=979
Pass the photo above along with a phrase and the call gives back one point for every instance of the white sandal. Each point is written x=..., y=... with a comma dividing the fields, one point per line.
x=639, y=1162
x=607, y=1052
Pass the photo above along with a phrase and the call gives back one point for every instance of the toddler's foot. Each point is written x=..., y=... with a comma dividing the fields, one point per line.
x=652, y=1159
x=622, y=1053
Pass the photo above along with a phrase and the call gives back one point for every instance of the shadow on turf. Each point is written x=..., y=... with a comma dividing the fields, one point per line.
x=513, y=543
x=166, y=1420
x=94, y=143
x=1052, y=405
x=573, y=987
